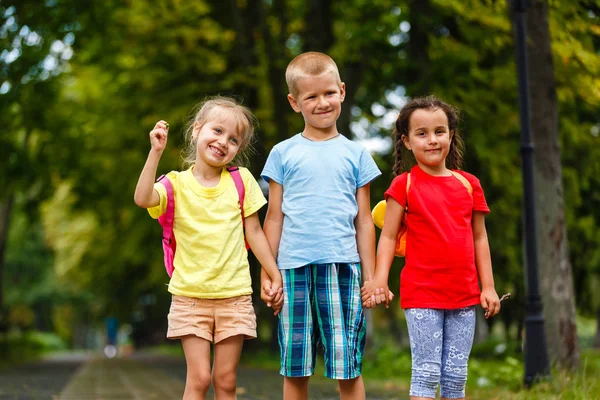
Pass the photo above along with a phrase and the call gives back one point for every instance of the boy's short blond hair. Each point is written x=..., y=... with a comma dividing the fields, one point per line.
x=308, y=64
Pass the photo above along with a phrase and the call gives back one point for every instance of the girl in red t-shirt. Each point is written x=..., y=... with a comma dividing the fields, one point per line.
x=447, y=249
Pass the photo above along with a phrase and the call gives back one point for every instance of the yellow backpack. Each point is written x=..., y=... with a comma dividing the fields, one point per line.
x=378, y=213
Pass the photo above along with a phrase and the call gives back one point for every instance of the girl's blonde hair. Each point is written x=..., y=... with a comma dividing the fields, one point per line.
x=403, y=158
x=217, y=108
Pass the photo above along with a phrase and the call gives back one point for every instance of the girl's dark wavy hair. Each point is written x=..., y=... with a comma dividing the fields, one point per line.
x=403, y=158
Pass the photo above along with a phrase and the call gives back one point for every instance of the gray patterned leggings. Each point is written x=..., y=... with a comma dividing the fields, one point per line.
x=440, y=343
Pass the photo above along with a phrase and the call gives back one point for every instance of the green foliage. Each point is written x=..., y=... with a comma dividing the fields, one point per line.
x=18, y=347
x=470, y=63
x=495, y=372
x=389, y=362
x=507, y=381
x=73, y=142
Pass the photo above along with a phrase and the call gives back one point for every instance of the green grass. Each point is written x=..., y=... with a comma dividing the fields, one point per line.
x=505, y=382
x=495, y=373
x=173, y=349
x=21, y=347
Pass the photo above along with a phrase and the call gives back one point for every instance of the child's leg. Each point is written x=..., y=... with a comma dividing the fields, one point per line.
x=227, y=358
x=425, y=330
x=351, y=389
x=234, y=321
x=459, y=329
x=295, y=388
x=197, y=358
x=296, y=333
x=342, y=325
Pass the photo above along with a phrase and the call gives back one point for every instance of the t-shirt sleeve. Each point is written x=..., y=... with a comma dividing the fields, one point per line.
x=254, y=199
x=160, y=209
x=273, y=167
x=479, y=202
x=397, y=189
x=368, y=169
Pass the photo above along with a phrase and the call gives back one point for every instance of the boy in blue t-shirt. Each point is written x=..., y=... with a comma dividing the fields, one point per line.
x=320, y=229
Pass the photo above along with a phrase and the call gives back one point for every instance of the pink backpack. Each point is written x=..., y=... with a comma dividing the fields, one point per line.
x=166, y=220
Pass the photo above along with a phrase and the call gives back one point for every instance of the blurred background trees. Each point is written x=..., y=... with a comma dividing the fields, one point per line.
x=82, y=83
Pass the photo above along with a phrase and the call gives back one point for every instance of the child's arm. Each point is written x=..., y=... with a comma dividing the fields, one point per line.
x=386, y=250
x=272, y=228
x=274, y=218
x=260, y=247
x=483, y=260
x=365, y=232
x=145, y=196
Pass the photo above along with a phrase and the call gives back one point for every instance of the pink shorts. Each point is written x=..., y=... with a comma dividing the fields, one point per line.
x=212, y=319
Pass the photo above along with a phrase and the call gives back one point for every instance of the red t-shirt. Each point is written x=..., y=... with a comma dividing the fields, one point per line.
x=440, y=267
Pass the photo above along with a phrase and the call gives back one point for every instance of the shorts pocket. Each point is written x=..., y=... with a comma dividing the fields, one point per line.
x=181, y=312
x=245, y=311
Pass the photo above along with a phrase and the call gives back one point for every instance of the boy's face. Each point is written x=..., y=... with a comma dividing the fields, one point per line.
x=319, y=99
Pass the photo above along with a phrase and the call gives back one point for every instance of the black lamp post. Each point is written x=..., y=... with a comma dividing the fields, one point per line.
x=536, y=354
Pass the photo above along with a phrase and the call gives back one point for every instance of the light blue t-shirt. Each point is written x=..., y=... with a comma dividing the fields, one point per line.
x=319, y=180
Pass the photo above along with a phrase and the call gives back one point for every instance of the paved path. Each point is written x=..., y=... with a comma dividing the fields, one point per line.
x=145, y=378
x=263, y=384
x=40, y=380
x=101, y=379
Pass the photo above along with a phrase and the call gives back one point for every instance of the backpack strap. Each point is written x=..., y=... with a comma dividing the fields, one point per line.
x=464, y=181
x=239, y=185
x=166, y=220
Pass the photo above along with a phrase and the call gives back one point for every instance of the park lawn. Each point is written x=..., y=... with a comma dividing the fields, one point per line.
x=17, y=347
x=495, y=373
x=581, y=384
x=494, y=376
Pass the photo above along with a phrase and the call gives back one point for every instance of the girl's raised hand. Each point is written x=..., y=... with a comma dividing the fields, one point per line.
x=158, y=136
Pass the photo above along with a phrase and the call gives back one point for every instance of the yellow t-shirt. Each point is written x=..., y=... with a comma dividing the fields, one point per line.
x=211, y=260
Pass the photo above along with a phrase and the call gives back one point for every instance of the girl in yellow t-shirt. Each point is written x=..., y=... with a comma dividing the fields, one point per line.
x=211, y=284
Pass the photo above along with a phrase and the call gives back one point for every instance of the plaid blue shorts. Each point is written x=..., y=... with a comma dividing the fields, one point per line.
x=322, y=304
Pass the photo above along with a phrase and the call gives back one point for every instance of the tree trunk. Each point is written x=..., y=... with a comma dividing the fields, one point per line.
x=275, y=50
x=396, y=331
x=556, y=280
x=352, y=76
x=421, y=26
x=5, y=209
x=520, y=329
x=482, y=330
x=597, y=339
x=245, y=59
x=318, y=35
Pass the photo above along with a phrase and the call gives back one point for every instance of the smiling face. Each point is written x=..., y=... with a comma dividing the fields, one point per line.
x=218, y=140
x=429, y=139
x=319, y=99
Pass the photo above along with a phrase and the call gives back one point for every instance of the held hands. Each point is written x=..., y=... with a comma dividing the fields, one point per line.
x=272, y=294
x=158, y=136
x=490, y=302
x=374, y=293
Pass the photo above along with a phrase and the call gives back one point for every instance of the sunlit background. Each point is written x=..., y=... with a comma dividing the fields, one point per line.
x=83, y=82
